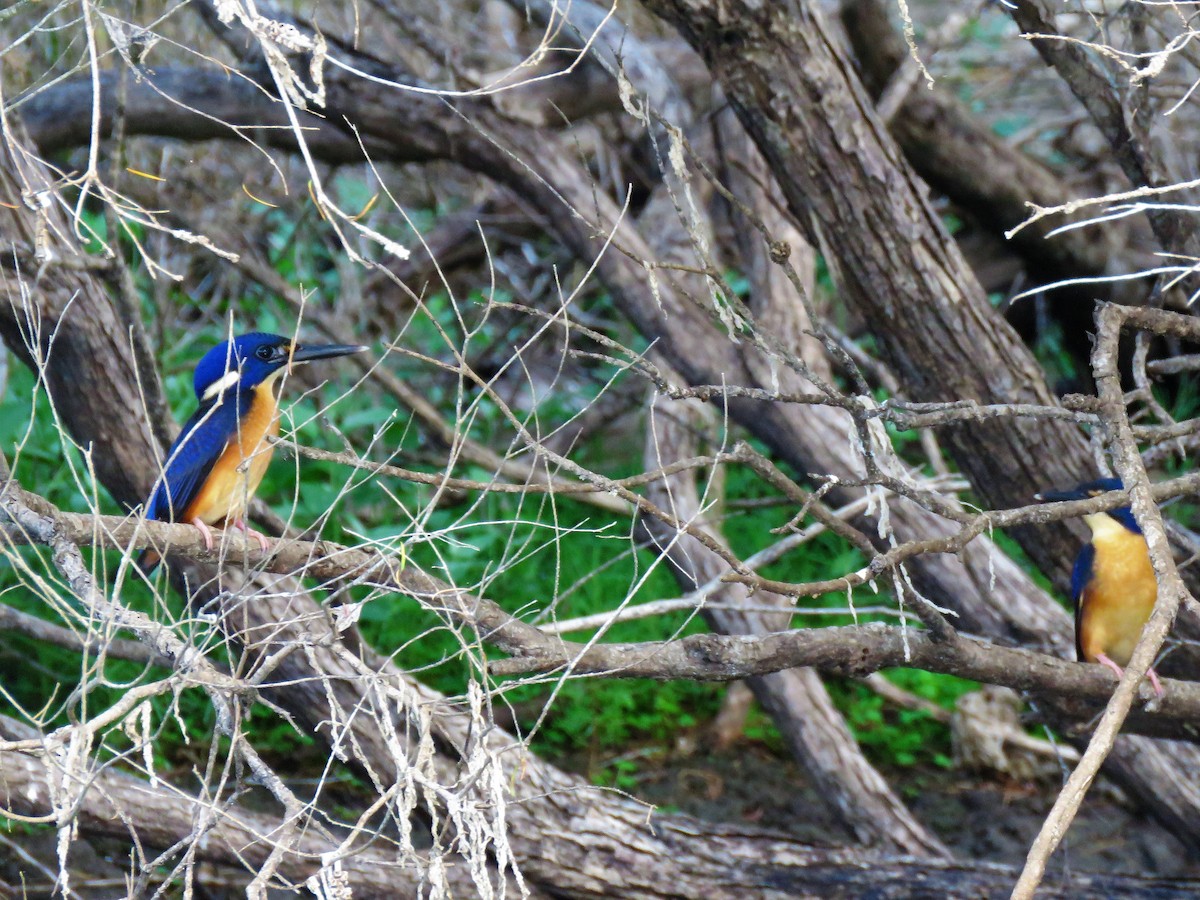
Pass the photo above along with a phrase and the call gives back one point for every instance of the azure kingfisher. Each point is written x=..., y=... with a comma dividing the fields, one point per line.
x=215, y=465
x=1112, y=584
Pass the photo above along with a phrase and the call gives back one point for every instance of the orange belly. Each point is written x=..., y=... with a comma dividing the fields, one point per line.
x=1119, y=599
x=239, y=469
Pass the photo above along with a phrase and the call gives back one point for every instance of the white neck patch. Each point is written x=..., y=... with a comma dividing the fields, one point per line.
x=226, y=381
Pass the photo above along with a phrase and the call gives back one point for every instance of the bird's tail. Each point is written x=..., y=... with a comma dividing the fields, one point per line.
x=148, y=561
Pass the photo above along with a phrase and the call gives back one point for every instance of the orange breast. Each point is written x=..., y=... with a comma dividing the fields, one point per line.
x=239, y=469
x=1120, y=598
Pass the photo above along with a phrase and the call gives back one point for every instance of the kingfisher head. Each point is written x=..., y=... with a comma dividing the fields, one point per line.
x=253, y=359
x=1122, y=514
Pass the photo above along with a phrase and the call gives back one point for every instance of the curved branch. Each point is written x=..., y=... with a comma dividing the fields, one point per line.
x=185, y=102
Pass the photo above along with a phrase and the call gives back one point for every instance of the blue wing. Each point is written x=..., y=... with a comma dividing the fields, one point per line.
x=1080, y=576
x=191, y=458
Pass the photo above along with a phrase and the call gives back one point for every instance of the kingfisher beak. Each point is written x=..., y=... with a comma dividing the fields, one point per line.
x=302, y=353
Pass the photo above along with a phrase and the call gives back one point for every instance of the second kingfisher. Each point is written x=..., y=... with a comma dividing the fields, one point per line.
x=217, y=462
x=1113, y=583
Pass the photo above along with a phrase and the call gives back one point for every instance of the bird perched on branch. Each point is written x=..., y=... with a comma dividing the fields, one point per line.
x=215, y=465
x=1113, y=583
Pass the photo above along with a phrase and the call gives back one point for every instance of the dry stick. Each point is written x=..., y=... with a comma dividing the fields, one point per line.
x=500, y=487
x=12, y=619
x=855, y=792
x=1174, y=365
x=1170, y=593
x=699, y=597
x=894, y=694
x=1085, y=74
x=972, y=527
x=39, y=522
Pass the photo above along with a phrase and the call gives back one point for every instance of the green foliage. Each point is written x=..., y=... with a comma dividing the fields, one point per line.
x=1183, y=402
x=1008, y=126
x=1051, y=351
x=895, y=737
x=621, y=774
x=891, y=738
x=32, y=444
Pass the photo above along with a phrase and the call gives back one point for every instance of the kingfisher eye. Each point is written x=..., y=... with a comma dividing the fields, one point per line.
x=264, y=353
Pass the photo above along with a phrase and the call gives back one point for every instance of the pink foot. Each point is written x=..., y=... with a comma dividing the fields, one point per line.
x=1158, y=688
x=1105, y=661
x=263, y=543
x=1150, y=673
x=205, y=532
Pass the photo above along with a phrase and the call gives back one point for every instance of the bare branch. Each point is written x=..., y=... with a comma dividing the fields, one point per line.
x=855, y=650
